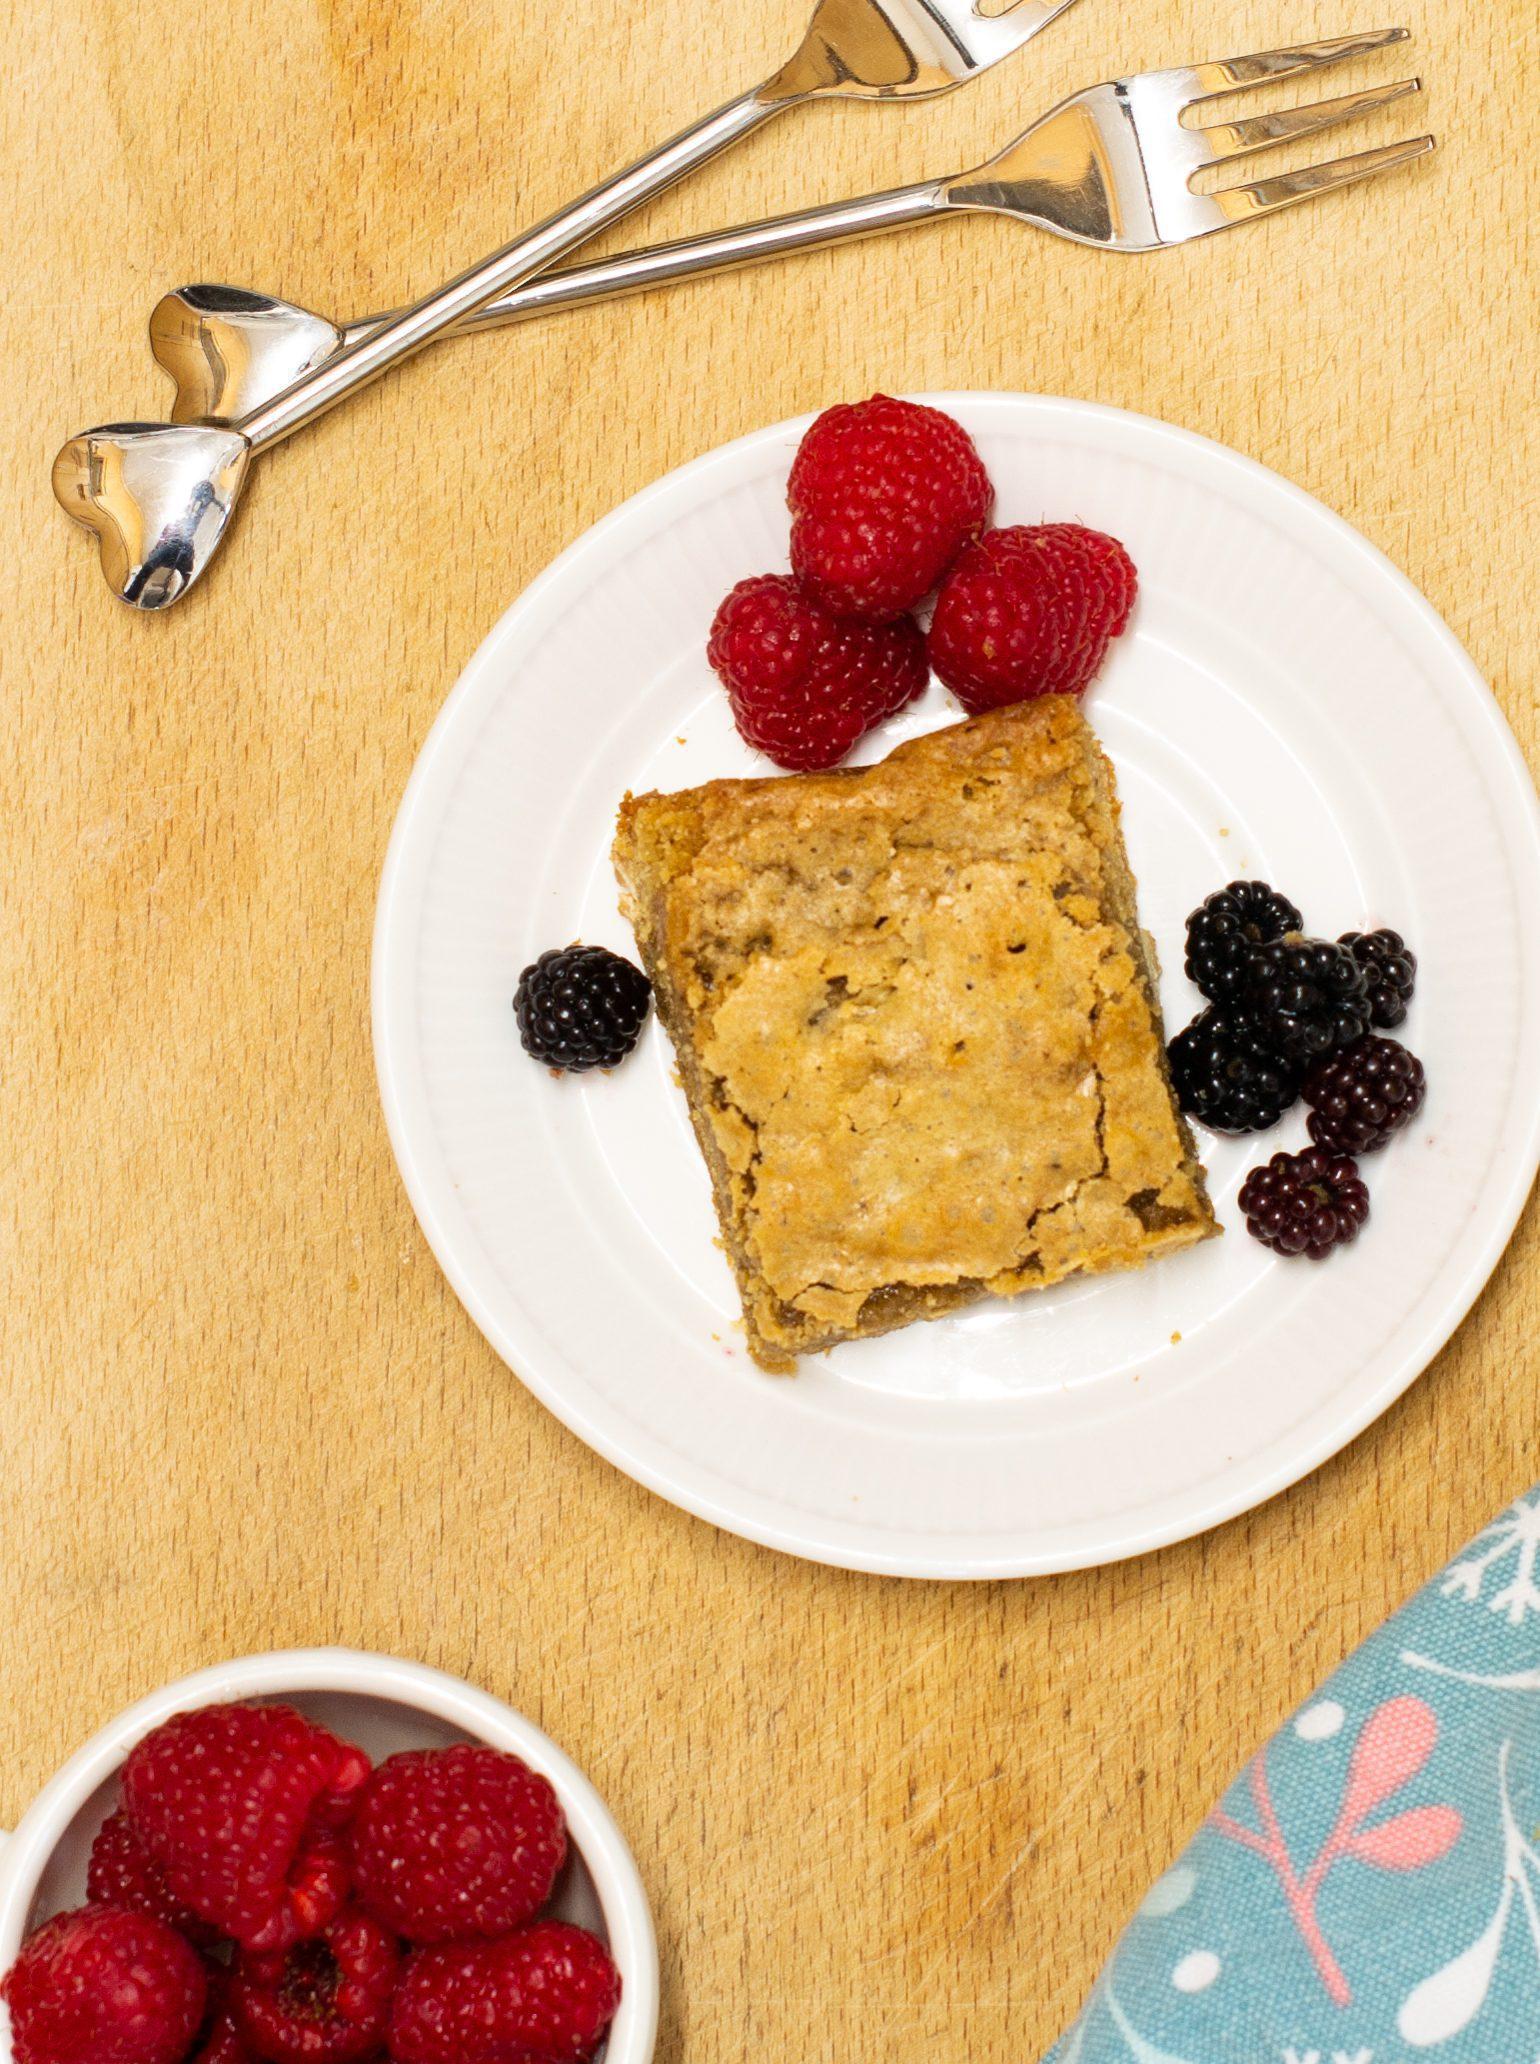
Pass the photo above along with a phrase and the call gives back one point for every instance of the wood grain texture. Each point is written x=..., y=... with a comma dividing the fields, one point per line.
x=879, y=1820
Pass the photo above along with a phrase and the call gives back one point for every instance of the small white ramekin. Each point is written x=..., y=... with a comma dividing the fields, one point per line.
x=383, y=1705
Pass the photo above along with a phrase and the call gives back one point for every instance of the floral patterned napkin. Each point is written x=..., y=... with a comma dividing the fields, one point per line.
x=1368, y=1891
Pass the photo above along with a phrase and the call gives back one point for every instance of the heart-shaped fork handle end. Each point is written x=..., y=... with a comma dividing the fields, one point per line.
x=158, y=496
x=226, y=350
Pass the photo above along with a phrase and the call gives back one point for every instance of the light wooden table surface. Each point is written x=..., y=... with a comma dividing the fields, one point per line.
x=879, y=1820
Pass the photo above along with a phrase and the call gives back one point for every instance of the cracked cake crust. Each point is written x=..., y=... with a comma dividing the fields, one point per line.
x=916, y=1025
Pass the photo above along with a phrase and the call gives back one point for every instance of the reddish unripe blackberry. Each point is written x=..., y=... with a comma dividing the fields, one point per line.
x=1307, y=1203
x=1363, y=1096
x=1391, y=968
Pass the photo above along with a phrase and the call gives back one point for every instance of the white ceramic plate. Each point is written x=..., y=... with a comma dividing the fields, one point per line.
x=1286, y=705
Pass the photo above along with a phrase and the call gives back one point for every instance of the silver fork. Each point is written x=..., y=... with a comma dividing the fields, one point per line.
x=159, y=497
x=1112, y=166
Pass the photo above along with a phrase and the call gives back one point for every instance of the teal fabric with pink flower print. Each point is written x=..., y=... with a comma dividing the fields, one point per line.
x=1368, y=1890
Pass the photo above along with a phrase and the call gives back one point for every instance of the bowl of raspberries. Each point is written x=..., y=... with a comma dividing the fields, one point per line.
x=322, y=1857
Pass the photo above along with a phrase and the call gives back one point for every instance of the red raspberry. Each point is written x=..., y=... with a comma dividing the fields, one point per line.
x=455, y=1842
x=241, y=1807
x=122, y=1872
x=1030, y=611
x=545, y=1996
x=321, y=2002
x=102, y=1985
x=220, y=2040
x=225, y=2044
x=805, y=685
x=884, y=494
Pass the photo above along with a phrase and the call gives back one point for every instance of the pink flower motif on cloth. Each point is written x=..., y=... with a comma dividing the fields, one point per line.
x=1396, y=1741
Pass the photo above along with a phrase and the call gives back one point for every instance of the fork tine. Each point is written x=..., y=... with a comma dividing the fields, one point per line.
x=1257, y=132
x=1223, y=75
x=983, y=30
x=1264, y=196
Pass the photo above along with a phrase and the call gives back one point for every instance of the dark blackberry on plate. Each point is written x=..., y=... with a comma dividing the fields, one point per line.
x=1225, y=930
x=1391, y=968
x=1228, y=1074
x=1310, y=997
x=1363, y=1096
x=1307, y=1203
x=581, y=1007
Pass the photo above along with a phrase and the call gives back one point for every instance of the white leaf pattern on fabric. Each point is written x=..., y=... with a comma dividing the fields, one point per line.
x=1139, y=2049
x=1449, y=2001
x=1517, y=1533
x=1169, y=1894
x=1516, y=1680
x=1452, y=1998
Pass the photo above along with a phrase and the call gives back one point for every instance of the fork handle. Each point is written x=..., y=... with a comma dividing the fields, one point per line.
x=698, y=257
x=403, y=334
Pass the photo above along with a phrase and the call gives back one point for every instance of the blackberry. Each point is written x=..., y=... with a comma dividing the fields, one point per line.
x=1391, y=967
x=581, y=1007
x=1363, y=1096
x=1227, y=927
x=1309, y=996
x=1229, y=1075
x=1305, y=1203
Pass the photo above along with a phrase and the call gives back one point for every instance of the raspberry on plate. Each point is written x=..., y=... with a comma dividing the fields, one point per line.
x=122, y=1872
x=242, y=1807
x=1305, y=1203
x=1030, y=610
x=804, y=684
x=884, y=494
x=321, y=2002
x=545, y=1996
x=456, y=1842
x=102, y=1985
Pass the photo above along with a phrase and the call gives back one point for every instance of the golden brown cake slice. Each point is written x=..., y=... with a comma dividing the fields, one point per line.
x=917, y=1026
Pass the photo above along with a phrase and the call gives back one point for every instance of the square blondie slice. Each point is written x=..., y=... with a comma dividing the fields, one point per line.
x=916, y=1022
